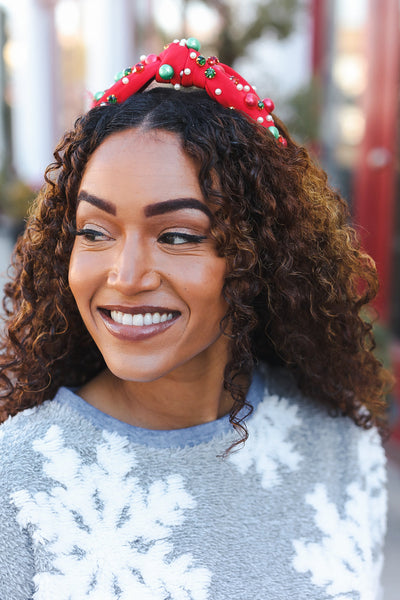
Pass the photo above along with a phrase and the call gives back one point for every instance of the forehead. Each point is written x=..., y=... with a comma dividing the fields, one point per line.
x=141, y=164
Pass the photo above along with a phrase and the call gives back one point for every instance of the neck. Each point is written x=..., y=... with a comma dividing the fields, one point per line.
x=182, y=398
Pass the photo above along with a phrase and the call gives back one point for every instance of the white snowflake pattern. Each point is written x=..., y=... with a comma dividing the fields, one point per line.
x=268, y=446
x=348, y=558
x=107, y=536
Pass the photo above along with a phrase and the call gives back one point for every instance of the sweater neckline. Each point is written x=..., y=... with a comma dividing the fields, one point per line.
x=162, y=438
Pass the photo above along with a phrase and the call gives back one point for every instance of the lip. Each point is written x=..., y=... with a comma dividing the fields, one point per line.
x=134, y=333
x=135, y=310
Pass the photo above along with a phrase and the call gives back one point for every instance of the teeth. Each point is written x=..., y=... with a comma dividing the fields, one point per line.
x=147, y=319
x=137, y=320
x=140, y=319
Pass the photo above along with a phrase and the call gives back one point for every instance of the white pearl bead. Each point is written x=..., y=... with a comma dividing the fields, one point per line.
x=180, y=74
x=143, y=58
x=182, y=42
x=187, y=71
x=177, y=86
x=246, y=88
x=193, y=55
x=254, y=88
x=260, y=120
x=269, y=118
x=125, y=80
x=218, y=92
x=175, y=42
x=239, y=87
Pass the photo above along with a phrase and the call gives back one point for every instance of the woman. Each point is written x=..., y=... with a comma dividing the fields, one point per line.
x=187, y=267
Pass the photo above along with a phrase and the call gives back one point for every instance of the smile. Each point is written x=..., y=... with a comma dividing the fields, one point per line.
x=137, y=323
x=139, y=319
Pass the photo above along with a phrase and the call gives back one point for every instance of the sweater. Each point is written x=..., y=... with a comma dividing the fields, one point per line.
x=92, y=507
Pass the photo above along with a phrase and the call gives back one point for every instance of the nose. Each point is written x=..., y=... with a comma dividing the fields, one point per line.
x=133, y=268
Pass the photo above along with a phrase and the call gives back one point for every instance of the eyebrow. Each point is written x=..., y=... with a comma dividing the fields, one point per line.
x=160, y=208
x=105, y=205
x=152, y=210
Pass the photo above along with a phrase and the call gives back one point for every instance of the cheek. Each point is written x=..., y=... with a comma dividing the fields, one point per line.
x=203, y=284
x=82, y=273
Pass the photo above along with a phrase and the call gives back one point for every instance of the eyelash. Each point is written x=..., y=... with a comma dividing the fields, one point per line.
x=165, y=238
x=89, y=234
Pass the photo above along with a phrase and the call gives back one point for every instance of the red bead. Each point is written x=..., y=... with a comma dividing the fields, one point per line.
x=212, y=60
x=151, y=58
x=282, y=141
x=251, y=99
x=139, y=67
x=269, y=105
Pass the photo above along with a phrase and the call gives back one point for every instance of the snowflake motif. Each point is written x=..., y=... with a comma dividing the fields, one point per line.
x=348, y=557
x=268, y=447
x=106, y=534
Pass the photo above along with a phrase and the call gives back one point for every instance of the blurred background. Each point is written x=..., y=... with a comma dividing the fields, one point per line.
x=332, y=68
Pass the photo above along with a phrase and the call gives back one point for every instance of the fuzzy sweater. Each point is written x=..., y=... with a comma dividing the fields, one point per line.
x=91, y=507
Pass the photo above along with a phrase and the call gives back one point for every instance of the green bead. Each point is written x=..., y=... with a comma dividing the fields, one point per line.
x=210, y=73
x=193, y=43
x=166, y=72
x=98, y=95
x=112, y=99
x=119, y=76
x=201, y=61
x=260, y=104
x=274, y=131
x=127, y=71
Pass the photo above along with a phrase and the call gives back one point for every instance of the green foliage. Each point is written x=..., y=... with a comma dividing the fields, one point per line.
x=234, y=36
x=15, y=198
x=304, y=109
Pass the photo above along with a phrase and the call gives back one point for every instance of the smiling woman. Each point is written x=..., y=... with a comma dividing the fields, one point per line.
x=182, y=326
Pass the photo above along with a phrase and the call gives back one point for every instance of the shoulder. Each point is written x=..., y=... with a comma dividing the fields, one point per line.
x=22, y=435
x=302, y=431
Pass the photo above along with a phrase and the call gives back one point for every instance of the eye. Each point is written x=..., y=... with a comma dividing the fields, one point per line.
x=176, y=238
x=91, y=235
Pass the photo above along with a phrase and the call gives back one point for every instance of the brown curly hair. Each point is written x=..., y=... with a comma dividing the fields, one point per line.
x=297, y=278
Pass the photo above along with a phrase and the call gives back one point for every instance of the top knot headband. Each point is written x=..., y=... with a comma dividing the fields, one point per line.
x=181, y=64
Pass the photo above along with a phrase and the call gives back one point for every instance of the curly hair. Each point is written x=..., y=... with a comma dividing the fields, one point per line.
x=296, y=276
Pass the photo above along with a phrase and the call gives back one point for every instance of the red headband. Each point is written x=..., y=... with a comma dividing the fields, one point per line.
x=181, y=64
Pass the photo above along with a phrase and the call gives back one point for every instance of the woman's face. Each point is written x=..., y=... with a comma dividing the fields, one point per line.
x=144, y=271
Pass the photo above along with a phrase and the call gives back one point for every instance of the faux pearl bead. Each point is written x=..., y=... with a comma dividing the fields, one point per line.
x=193, y=55
x=151, y=58
x=166, y=72
x=269, y=105
x=187, y=71
x=182, y=42
x=143, y=57
x=274, y=131
x=193, y=43
x=218, y=92
x=251, y=99
x=239, y=87
x=260, y=120
x=177, y=86
x=125, y=80
x=246, y=88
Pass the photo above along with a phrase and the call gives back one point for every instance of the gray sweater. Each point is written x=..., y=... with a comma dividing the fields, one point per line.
x=91, y=507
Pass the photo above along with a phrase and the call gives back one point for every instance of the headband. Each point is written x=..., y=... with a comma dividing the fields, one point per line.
x=181, y=64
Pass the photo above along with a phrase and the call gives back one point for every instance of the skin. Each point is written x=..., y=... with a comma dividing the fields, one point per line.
x=137, y=254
